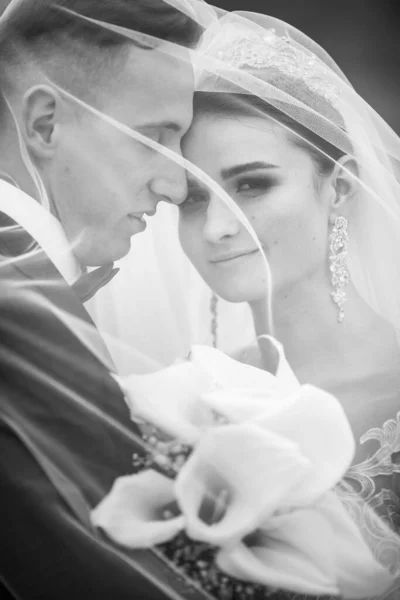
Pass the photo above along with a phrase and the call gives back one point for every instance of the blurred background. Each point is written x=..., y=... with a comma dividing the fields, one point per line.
x=361, y=35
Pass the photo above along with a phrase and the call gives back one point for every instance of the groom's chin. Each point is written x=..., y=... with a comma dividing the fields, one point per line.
x=105, y=254
x=121, y=249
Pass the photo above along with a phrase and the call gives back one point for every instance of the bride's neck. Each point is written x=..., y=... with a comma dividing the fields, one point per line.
x=305, y=322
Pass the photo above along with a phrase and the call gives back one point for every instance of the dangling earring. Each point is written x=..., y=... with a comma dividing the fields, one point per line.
x=338, y=258
x=214, y=318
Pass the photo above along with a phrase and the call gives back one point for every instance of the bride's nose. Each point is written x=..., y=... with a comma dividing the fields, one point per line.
x=220, y=222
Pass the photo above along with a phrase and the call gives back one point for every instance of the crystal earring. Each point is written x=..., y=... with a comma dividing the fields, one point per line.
x=340, y=275
x=214, y=319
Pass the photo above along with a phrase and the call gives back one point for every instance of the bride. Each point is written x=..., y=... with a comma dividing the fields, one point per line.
x=278, y=127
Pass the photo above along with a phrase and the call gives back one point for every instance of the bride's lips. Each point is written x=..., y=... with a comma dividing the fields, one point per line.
x=230, y=257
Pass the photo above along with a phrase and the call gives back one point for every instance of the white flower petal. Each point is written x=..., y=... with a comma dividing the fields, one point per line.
x=294, y=556
x=315, y=420
x=229, y=373
x=317, y=550
x=169, y=399
x=131, y=514
x=287, y=382
x=256, y=469
x=238, y=405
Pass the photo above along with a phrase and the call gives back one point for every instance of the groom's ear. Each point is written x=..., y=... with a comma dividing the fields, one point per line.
x=42, y=109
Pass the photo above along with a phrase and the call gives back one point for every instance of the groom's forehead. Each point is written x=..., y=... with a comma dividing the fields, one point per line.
x=158, y=85
x=160, y=71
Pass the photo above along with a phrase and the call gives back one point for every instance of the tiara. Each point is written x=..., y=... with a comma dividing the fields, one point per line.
x=272, y=51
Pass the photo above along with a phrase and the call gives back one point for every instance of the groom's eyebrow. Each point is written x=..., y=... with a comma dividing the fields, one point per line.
x=244, y=168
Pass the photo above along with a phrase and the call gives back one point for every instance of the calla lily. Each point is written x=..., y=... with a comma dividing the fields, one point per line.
x=240, y=405
x=131, y=513
x=169, y=399
x=314, y=420
x=286, y=379
x=257, y=469
x=295, y=555
x=314, y=548
x=229, y=373
x=310, y=417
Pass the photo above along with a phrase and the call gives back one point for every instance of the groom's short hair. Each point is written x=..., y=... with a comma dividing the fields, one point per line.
x=75, y=52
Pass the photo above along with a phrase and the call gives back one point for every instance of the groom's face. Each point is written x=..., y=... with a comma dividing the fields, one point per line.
x=102, y=180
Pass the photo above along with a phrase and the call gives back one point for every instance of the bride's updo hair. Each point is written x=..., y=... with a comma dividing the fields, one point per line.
x=323, y=153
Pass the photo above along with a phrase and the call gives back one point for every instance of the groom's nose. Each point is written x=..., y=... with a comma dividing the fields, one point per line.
x=170, y=185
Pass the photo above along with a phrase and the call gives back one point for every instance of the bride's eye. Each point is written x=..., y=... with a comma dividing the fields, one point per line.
x=251, y=187
x=195, y=200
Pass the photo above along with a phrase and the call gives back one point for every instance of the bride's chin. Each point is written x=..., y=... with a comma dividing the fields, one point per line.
x=243, y=287
x=236, y=295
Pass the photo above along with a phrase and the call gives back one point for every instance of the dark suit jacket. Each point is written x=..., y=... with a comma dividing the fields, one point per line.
x=58, y=457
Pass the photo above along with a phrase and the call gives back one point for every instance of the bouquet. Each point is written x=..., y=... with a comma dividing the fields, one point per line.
x=245, y=463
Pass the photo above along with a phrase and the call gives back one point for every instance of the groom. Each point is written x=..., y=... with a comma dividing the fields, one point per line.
x=65, y=431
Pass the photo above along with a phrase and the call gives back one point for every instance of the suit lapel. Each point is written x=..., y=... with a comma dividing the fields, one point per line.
x=69, y=321
x=34, y=264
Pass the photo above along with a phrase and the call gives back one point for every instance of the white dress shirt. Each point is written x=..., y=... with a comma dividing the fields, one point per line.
x=44, y=227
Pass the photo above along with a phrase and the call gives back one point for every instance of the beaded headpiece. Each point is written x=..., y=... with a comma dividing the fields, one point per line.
x=271, y=51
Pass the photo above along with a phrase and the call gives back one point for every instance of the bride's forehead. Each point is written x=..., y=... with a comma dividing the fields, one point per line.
x=228, y=136
x=222, y=126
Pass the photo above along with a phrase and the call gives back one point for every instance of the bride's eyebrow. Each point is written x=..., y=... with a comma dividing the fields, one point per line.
x=244, y=168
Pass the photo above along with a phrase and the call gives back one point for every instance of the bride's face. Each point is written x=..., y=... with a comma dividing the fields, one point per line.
x=276, y=185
